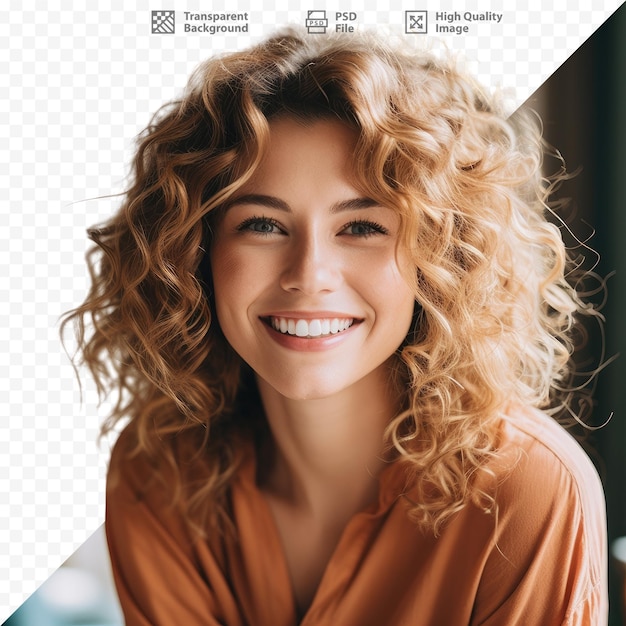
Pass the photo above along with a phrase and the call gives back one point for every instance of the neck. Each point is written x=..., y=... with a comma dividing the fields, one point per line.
x=328, y=450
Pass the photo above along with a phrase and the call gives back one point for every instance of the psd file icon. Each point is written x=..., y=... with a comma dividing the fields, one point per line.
x=316, y=22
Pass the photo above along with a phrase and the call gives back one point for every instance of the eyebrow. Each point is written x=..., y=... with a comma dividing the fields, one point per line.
x=273, y=202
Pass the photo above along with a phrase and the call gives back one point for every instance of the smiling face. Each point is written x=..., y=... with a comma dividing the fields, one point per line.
x=306, y=271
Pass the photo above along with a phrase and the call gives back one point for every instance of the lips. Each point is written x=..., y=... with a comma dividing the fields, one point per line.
x=310, y=328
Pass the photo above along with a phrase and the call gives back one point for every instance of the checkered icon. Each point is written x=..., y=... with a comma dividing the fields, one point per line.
x=163, y=22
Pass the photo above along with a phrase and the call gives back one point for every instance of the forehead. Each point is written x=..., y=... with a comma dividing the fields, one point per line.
x=328, y=131
x=319, y=149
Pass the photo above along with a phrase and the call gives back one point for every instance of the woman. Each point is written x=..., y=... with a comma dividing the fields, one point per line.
x=338, y=320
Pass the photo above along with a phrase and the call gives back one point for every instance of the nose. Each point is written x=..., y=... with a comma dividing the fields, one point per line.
x=312, y=266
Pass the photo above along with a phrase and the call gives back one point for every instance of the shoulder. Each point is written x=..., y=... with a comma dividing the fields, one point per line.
x=176, y=478
x=139, y=510
x=544, y=479
x=145, y=499
x=131, y=470
x=153, y=476
x=550, y=521
x=539, y=459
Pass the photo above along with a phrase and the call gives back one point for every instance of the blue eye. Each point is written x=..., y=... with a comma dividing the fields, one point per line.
x=364, y=228
x=260, y=225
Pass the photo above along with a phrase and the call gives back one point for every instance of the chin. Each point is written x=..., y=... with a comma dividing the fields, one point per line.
x=298, y=389
x=308, y=393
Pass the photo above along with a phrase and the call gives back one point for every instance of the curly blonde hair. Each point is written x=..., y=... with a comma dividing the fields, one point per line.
x=495, y=311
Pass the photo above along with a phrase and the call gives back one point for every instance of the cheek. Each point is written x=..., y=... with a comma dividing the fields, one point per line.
x=389, y=283
x=238, y=277
x=399, y=296
x=226, y=269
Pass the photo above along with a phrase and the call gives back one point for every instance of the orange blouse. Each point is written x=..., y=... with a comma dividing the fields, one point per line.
x=540, y=562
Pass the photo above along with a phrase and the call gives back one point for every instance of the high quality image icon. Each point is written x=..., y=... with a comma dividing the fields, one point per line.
x=416, y=22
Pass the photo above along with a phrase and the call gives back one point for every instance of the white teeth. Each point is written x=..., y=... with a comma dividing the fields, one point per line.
x=310, y=328
x=315, y=328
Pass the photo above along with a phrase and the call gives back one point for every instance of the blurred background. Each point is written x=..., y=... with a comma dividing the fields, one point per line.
x=583, y=108
x=80, y=593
